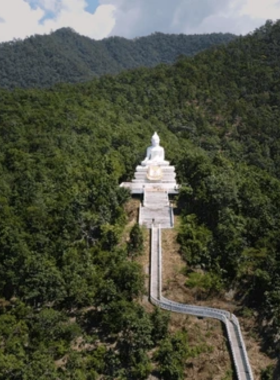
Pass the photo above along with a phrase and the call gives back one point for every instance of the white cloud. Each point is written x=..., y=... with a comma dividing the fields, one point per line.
x=73, y=14
x=50, y=5
x=21, y=20
x=132, y=18
x=18, y=18
x=142, y=17
x=262, y=9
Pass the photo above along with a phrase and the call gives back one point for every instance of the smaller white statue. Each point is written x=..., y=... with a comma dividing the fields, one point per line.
x=155, y=153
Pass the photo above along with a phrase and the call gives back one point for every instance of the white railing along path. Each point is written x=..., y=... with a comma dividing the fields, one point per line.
x=236, y=342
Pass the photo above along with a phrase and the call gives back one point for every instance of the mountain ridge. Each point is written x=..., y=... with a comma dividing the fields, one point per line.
x=65, y=56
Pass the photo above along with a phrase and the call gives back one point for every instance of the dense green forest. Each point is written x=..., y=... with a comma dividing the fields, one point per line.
x=66, y=56
x=68, y=288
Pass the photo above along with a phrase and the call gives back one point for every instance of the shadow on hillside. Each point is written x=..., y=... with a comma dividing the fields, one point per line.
x=176, y=211
x=276, y=373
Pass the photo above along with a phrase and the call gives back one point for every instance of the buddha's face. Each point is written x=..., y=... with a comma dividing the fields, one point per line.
x=155, y=141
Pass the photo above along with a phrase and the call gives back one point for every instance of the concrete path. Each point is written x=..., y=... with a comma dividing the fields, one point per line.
x=151, y=215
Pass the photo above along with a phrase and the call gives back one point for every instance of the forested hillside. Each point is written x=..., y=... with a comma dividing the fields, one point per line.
x=66, y=56
x=68, y=287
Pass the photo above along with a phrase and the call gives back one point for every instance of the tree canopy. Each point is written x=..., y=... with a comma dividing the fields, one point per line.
x=68, y=288
x=66, y=56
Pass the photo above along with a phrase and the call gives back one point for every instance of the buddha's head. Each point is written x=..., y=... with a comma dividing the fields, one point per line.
x=155, y=139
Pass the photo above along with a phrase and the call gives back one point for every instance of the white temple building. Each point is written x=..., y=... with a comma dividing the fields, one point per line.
x=154, y=172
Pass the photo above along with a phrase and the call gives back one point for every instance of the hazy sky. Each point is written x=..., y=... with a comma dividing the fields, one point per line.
x=133, y=18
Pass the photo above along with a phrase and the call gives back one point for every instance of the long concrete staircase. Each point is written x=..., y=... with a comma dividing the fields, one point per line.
x=156, y=209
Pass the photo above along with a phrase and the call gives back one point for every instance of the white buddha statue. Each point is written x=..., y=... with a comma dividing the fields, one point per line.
x=155, y=153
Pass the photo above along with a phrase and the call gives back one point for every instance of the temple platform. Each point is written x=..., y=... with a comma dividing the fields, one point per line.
x=155, y=173
x=140, y=187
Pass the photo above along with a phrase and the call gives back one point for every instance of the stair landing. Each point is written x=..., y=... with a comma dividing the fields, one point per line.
x=156, y=210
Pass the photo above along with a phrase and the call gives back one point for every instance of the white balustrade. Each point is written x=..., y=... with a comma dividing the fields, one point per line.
x=236, y=343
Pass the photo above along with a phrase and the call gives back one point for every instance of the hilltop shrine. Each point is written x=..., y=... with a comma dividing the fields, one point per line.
x=154, y=173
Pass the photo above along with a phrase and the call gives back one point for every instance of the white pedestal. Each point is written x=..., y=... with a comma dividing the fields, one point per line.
x=161, y=177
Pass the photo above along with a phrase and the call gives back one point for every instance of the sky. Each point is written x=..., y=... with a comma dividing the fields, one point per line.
x=133, y=18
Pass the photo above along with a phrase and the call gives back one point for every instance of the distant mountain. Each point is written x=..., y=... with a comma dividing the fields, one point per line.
x=66, y=56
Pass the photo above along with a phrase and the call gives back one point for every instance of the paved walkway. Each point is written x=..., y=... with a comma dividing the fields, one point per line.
x=156, y=210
